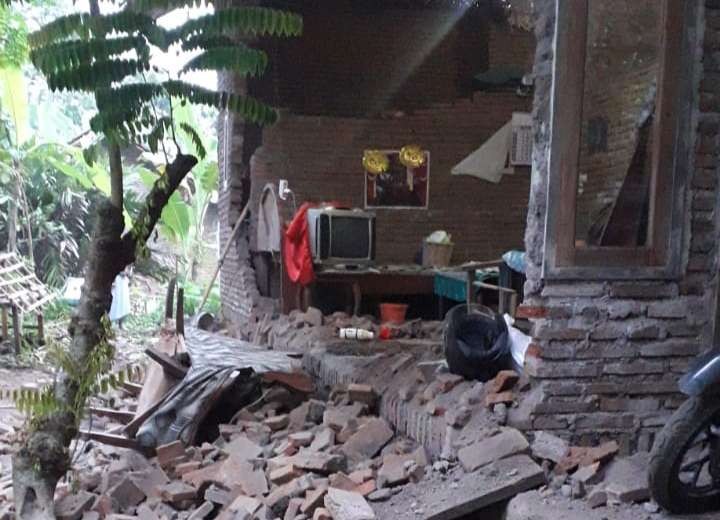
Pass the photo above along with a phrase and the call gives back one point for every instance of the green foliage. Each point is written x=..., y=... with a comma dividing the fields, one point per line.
x=238, y=58
x=195, y=138
x=110, y=55
x=13, y=53
x=193, y=296
x=57, y=310
x=71, y=54
x=94, y=376
x=249, y=21
x=246, y=106
x=13, y=39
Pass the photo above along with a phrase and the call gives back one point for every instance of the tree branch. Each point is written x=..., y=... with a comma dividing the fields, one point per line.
x=155, y=201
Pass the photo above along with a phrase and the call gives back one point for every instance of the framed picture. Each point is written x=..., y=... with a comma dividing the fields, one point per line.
x=400, y=187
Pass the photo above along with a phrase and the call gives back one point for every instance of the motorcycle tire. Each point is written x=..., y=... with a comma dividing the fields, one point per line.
x=668, y=452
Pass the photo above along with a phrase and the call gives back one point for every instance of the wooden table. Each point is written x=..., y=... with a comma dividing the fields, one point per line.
x=363, y=282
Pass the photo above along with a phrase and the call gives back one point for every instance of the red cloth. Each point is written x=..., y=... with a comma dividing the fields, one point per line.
x=296, y=251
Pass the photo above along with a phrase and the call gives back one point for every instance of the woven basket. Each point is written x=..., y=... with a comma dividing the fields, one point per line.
x=437, y=255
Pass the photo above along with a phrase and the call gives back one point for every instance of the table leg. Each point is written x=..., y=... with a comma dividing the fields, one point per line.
x=513, y=304
x=17, y=333
x=4, y=313
x=469, y=287
x=357, y=298
x=307, y=298
x=41, y=328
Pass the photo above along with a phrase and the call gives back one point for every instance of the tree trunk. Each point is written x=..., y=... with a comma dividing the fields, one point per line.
x=44, y=457
x=13, y=218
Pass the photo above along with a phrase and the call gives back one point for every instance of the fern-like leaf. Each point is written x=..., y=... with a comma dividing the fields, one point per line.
x=71, y=54
x=238, y=58
x=128, y=95
x=85, y=27
x=252, y=21
x=90, y=77
x=248, y=107
x=195, y=138
x=206, y=41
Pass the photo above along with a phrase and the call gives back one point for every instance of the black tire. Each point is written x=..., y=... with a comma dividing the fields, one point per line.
x=667, y=454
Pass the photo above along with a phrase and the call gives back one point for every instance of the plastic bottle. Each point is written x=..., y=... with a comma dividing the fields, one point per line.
x=354, y=333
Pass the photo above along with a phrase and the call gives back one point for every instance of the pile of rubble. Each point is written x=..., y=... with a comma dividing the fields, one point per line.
x=319, y=460
x=299, y=331
x=292, y=457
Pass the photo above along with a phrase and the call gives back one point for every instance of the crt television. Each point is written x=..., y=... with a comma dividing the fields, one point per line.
x=342, y=236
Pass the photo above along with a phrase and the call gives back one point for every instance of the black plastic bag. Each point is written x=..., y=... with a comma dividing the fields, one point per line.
x=476, y=342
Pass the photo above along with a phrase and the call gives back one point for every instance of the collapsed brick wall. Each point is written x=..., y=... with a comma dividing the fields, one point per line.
x=321, y=157
x=606, y=355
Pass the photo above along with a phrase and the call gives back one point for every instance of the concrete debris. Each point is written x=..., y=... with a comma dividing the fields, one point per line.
x=72, y=507
x=626, y=479
x=347, y=505
x=549, y=447
x=286, y=457
x=506, y=443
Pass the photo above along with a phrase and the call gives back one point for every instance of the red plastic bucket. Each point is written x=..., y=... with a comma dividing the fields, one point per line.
x=393, y=312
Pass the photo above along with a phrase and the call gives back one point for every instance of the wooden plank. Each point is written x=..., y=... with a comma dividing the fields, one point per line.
x=41, y=302
x=132, y=388
x=21, y=280
x=119, y=441
x=133, y=426
x=121, y=416
x=170, y=365
x=11, y=268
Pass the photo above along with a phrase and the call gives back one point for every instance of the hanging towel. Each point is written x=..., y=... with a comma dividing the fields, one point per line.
x=297, y=254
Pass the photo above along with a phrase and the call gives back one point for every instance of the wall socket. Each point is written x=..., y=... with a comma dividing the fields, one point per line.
x=284, y=189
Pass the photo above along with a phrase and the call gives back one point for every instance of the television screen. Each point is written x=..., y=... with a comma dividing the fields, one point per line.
x=350, y=237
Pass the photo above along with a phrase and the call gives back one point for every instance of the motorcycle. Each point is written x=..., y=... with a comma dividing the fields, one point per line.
x=684, y=473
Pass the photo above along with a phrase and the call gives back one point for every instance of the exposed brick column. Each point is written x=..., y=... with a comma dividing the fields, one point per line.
x=606, y=355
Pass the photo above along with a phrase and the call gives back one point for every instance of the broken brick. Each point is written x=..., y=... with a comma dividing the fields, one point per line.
x=361, y=475
x=342, y=481
x=303, y=439
x=168, y=452
x=322, y=514
x=497, y=398
x=293, y=508
x=277, y=423
x=505, y=444
x=368, y=487
x=72, y=507
x=448, y=381
x=337, y=417
x=176, y=492
x=186, y=467
x=202, y=512
x=362, y=394
x=284, y=474
x=347, y=505
x=243, y=448
x=324, y=439
x=458, y=417
x=126, y=494
x=368, y=440
x=503, y=381
x=313, y=500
